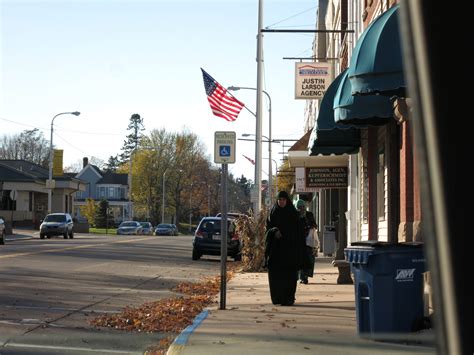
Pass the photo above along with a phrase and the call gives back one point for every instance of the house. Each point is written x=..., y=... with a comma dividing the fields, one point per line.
x=24, y=195
x=110, y=186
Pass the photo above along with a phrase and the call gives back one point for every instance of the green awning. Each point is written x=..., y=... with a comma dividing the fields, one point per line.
x=358, y=110
x=376, y=65
x=328, y=137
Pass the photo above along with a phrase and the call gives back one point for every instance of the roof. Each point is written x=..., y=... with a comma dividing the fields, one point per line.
x=302, y=143
x=113, y=178
x=31, y=169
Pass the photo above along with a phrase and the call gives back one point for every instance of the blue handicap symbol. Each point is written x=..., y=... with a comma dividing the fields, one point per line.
x=224, y=151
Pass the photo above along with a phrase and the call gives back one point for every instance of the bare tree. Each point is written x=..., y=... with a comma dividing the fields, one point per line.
x=29, y=145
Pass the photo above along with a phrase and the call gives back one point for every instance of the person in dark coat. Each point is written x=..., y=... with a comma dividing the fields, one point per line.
x=284, y=250
x=311, y=242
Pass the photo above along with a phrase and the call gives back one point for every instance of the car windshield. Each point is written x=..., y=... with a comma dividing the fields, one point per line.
x=167, y=226
x=145, y=224
x=55, y=218
x=129, y=224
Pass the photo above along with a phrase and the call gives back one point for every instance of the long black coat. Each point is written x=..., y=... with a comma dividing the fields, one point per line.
x=288, y=251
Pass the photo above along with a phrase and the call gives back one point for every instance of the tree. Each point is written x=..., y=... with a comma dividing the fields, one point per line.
x=133, y=139
x=89, y=210
x=101, y=214
x=79, y=165
x=112, y=164
x=286, y=177
x=29, y=145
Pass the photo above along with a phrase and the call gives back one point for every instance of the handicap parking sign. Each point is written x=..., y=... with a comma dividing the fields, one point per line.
x=224, y=151
x=224, y=147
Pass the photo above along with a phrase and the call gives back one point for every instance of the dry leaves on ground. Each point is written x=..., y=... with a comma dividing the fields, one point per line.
x=169, y=314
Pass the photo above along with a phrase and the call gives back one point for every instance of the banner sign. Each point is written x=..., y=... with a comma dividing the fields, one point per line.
x=328, y=178
x=312, y=80
x=58, y=162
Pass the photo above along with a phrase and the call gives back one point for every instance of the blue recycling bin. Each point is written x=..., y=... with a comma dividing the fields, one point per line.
x=388, y=284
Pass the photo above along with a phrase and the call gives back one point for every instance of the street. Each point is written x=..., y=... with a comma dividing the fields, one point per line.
x=51, y=288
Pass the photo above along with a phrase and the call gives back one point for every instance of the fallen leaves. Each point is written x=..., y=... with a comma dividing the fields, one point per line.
x=166, y=315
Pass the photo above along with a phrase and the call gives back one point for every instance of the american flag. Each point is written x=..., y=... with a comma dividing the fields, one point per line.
x=222, y=103
x=249, y=159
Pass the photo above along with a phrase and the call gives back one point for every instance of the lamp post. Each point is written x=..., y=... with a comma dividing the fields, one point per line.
x=269, y=138
x=163, y=207
x=270, y=175
x=50, y=179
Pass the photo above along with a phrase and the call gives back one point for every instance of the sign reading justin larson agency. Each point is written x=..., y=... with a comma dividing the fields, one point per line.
x=312, y=80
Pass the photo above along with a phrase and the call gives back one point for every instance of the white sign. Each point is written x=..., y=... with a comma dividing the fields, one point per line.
x=300, y=182
x=312, y=80
x=224, y=147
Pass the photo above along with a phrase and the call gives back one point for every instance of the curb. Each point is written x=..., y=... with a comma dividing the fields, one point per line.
x=180, y=342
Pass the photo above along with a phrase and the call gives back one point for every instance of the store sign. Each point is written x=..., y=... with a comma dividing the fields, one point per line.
x=312, y=80
x=300, y=182
x=327, y=178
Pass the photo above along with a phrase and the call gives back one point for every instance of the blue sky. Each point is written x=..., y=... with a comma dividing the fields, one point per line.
x=111, y=59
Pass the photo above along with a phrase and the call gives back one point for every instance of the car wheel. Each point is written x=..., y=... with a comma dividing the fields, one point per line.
x=2, y=238
x=71, y=235
x=237, y=257
x=65, y=235
x=196, y=254
x=41, y=236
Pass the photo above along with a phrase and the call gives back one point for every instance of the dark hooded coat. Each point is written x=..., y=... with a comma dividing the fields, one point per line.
x=284, y=251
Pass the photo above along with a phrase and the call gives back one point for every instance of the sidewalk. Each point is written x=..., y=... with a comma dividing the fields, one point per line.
x=322, y=321
x=22, y=233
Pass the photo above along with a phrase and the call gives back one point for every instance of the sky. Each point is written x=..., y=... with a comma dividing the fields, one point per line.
x=110, y=59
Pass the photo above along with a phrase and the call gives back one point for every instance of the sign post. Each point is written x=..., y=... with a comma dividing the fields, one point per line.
x=224, y=153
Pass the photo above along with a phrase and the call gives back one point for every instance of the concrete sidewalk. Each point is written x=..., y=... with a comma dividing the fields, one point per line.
x=322, y=321
x=22, y=233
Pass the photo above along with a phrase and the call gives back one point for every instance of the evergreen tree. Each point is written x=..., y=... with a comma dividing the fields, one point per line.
x=112, y=164
x=101, y=214
x=131, y=143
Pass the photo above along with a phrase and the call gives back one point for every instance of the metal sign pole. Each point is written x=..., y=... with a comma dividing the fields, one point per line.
x=224, y=235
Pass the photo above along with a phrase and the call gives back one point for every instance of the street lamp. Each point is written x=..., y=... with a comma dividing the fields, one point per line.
x=163, y=207
x=50, y=179
x=257, y=156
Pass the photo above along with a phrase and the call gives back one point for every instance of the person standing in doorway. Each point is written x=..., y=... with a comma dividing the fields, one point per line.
x=284, y=250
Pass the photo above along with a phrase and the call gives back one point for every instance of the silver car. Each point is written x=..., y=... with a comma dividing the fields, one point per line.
x=147, y=228
x=129, y=228
x=57, y=224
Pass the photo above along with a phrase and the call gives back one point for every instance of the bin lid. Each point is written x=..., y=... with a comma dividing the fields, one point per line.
x=381, y=244
x=359, y=252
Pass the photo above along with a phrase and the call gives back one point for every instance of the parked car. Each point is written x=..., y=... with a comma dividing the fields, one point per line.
x=207, y=238
x=57, y=224
x=2, y=231
x=147, y=228
x=129, y=228
x=166, y=229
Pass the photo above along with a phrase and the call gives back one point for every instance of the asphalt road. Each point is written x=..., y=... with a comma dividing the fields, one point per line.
x=51, y=288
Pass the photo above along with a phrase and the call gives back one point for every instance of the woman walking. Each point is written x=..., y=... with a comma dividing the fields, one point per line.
x=311, y=240
x=284, y=251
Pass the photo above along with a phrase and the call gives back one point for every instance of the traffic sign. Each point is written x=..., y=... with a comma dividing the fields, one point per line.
x=224, y=147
